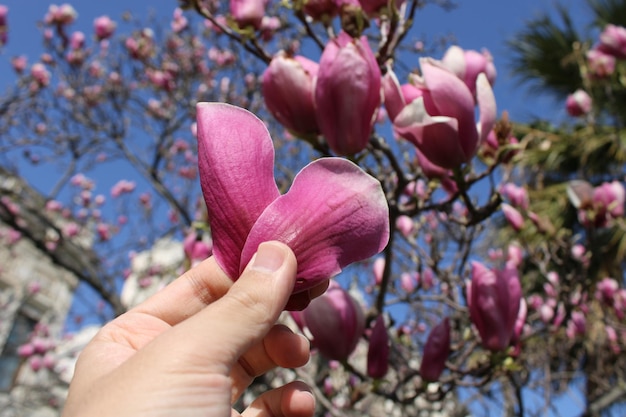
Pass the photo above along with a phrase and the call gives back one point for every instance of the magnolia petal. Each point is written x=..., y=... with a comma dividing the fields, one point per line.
x=394, y=101
x=451, y=97
x=436, y=137
x=236, y=161
x=487, y=106
x=333, y=215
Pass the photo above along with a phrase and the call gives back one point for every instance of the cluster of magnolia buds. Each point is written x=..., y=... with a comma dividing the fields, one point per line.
x=597, y=206
x=39, y=350
x=340, y=97
x=601, y=63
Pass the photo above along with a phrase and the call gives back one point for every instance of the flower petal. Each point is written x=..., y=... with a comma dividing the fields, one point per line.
x=333, y=215
x=236, y=160
x=436, y=137
x=487, y=106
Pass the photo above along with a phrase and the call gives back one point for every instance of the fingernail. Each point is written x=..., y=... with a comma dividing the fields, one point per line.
x=269, y=257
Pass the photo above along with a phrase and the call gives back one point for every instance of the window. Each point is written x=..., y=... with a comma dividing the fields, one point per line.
x=10, y=361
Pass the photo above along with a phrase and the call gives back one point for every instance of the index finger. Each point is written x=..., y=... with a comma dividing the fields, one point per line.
x=188, y=294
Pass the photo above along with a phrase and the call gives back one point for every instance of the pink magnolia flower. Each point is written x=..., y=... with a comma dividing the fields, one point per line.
x=378, y=351
x=248, y=12
x=601, y=65
x=467, y=64
x=436, y=351
x=122, y=187
x=371, y=7
x=440, y=122
x=19, y=63
x=613, y=41
x=40, y=74
x=494, y=302
x=513, y=217
x=336, y=321
x=518, y=196
x=60, y=15
x=4, y=10
x=288, y=92
x=378, y=268
x=331, y=204
x=196, y=248
x=104, y=27
x=321, y=9
x=578, y=103
x=347, y=93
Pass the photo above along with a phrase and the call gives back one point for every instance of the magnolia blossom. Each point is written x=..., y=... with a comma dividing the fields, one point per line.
x=331, y=205
x=288, y=92
x=440, y=119
x=493, y=299
x=436, y=351
x=321, y=9
x=513, y=217
x=248, y=12
x=378, y=351
x=601, y=65
x=578, y=103
x=613, y=41
x=347, y=93
x=336, y=322
x=104, y=27
x=467, y=64
x=60, y=15
x=4, y=10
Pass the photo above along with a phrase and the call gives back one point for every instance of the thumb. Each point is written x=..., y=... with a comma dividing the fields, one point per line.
x=223, y=331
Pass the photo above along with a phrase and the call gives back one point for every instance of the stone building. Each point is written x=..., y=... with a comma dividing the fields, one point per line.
x=35, y=296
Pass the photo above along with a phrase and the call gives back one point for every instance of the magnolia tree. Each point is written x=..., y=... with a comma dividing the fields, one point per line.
x=456, y=285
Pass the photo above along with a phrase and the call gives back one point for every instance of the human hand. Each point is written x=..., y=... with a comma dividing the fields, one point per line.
x=193, y=348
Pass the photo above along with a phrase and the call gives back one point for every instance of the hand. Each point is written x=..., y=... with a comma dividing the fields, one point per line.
x=193, y=348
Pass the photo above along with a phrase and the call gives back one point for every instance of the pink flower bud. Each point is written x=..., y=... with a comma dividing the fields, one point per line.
x=26, y=350
x=494, y=303
x=518, y=196
x=378, y=269
x=288, y=92
x=513, y=216
x=336, y=321
x=601, y=65
x=468, y=64
x=378, y=352
x=408, y=281
x=35, y=363
x=4, y=10
x=578, y=103
x=613, y=41
x=347, y=93
x=19, y=63
x=321, y=9
x=104, y=27
x=196, y=248
x=405, y=225
x=606, y=290
x=436, y=351
x=248, y=12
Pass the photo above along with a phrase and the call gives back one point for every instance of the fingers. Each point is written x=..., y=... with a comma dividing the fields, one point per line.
x=281, y=347
x=216, y=337
x=292, y=400
x=187, y=295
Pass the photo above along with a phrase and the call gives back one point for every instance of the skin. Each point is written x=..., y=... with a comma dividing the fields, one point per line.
x=193, y=348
